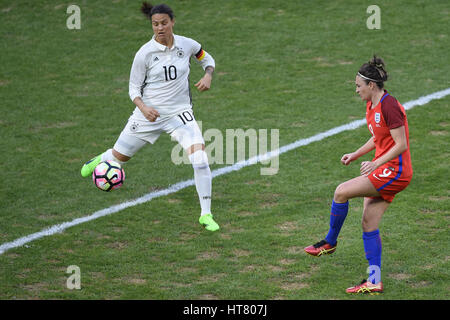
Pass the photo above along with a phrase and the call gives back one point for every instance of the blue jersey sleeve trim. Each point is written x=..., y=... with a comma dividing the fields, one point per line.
x=382, y=98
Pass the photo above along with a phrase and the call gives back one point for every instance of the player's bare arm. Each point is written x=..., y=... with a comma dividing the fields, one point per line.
x=366, y=148
x=205, y=82
x=149, y=113
x=401, y=145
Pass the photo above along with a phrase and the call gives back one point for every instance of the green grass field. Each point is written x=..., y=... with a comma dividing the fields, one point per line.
x=286, y=65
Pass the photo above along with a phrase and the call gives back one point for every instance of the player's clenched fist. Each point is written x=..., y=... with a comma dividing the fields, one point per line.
x=150, y=113
x=347, y=158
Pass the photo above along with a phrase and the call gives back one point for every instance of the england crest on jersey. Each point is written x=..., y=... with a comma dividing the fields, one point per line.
x=377, y=117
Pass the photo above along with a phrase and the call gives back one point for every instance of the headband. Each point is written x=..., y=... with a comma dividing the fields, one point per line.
x=359, y=74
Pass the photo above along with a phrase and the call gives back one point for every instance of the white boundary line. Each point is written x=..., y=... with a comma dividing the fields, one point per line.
x=218, y=172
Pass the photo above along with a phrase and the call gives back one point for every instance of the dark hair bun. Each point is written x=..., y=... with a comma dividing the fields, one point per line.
x=379, y=65
x=375, y=71
x=146, y=9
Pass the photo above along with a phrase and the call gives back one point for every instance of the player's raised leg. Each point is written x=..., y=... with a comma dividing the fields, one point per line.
x=357, y=187
x=124, y=148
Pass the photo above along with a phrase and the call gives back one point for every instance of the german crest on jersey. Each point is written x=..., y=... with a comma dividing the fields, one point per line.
x=180, y=53
x=377, y=117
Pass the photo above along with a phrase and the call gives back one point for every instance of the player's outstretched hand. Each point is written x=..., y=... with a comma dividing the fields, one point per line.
x=204, y=83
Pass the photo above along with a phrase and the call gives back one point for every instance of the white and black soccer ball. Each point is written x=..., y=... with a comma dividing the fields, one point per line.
x=108, y=175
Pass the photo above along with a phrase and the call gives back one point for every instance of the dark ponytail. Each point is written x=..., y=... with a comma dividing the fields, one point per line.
x=148, y=10
x=375, y=71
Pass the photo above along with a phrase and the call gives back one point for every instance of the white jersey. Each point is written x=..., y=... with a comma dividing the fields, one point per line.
x=160, y=75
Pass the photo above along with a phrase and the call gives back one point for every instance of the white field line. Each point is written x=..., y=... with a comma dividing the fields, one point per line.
x=218, y=172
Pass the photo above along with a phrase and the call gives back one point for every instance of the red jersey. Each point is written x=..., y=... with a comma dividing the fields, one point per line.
x=386, y=115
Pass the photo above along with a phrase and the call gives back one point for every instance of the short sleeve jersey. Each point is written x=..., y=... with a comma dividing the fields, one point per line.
x=387, y=115
x=160, y=75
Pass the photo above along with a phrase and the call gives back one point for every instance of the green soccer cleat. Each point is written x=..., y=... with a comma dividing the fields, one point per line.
x=208, y=222
x=89, y=166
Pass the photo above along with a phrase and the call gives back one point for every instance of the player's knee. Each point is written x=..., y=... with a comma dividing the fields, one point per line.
x=199, y=159
x=340, y=194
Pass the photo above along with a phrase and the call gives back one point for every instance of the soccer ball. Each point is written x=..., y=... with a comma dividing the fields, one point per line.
x=108, y=175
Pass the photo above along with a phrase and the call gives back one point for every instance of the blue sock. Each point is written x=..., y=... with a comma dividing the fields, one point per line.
x=372, y=247
x=337, y=217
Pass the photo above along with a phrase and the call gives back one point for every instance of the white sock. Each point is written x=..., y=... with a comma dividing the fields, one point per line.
x=108, y=155
x=203, y=179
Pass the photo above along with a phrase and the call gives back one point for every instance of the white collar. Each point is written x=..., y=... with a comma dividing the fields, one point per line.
x=162, y=47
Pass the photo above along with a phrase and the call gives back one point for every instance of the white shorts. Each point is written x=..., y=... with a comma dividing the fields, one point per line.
x=182, y=127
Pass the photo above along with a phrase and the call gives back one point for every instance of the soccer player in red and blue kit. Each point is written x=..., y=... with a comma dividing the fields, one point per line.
x=388, y=173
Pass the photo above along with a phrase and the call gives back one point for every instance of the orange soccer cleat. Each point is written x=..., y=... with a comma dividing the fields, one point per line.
x=366, y=287
x=320, y=248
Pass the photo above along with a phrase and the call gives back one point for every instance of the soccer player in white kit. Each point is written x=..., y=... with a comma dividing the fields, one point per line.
x=159, y=87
